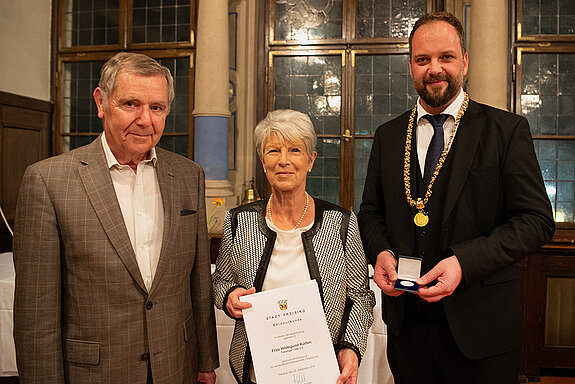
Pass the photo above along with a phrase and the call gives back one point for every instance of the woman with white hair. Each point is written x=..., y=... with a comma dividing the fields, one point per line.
x=291, y=238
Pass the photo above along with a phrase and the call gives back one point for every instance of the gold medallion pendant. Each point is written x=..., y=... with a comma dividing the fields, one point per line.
x=421, y=219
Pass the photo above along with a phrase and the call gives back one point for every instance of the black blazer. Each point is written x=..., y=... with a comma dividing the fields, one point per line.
x=496, y=212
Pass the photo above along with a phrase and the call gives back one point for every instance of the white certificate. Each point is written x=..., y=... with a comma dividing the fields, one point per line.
x=289, y=338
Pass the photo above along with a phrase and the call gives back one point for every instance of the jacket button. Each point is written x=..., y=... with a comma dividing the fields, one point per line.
x=149, y=305
x=145, y=356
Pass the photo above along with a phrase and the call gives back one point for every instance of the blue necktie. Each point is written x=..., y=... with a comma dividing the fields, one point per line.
x=435, y=146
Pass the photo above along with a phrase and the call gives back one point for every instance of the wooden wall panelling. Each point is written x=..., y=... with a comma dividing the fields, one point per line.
x=25, y=138
x=558, y=348
x=548, y=312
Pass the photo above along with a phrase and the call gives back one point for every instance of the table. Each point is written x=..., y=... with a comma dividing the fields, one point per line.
x=373, y=369
x=7, y=352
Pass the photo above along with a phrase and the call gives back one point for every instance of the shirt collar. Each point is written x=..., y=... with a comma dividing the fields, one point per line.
x=113, y=162
x=451, y=110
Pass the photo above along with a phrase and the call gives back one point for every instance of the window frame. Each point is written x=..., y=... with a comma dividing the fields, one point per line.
x=348, y=46
x=543, y=39
x=84, y=53
x=553, y=44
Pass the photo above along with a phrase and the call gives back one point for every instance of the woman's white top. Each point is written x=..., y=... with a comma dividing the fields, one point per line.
x=288, y=264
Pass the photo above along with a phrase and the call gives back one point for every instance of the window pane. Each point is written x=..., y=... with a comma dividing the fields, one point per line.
x=308, y=20
x=157, y=22
x=79, y=112
x=383, y=90
x=323, y=181
x=312, y=85
x=557, y=161
x=548, y=93
x=548, y=17
x=362, y=152
x=548, y=102
x=177, y=144
x=178, y=119
x=71, y=142
x=387, y=18
x=91, y=22
x=80, y=115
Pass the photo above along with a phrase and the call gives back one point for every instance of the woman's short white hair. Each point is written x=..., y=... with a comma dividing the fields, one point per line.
x=288, y=125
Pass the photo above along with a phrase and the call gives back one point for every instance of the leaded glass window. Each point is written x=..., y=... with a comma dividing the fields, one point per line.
x=387, y=18
x=547, y=17
x=345, y=63
x=548, y=101
x=91, y=22
x=383, y=91
x=91, y=31
x=312, y=85
x=160, y=21
x=80, y=123
x=308, y=19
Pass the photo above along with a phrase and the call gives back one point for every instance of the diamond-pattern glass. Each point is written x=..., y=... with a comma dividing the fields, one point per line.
x=548, y=17
x=548, y=102
x=387, y=18
x=308, y=20
x=91, y=22
x=160, y=21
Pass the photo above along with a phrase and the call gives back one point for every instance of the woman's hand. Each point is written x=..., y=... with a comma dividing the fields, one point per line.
x=348, y=366
x=234, y=305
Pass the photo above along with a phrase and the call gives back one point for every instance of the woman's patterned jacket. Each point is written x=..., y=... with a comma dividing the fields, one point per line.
x=335, y=258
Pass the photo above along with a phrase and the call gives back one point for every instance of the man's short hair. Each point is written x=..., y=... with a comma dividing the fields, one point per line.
x=132, y=63
x=431, y=17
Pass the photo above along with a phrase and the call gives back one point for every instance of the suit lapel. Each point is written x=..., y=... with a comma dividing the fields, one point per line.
x=170, y=198
x=95, y=176
x=466, y=144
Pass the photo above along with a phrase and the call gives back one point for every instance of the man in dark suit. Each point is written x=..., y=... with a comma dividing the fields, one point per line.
x=462, y=197
x=111, y=255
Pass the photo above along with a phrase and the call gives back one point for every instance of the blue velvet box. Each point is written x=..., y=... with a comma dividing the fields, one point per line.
x=408, y=271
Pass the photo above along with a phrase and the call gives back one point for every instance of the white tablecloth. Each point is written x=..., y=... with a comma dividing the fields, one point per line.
x=7, y=353
x=373, y=369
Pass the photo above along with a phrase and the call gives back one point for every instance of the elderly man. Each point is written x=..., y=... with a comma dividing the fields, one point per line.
x=454, y=191
x=113, y=277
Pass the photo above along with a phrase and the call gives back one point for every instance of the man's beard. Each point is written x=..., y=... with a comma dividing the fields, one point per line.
x=438, y=97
